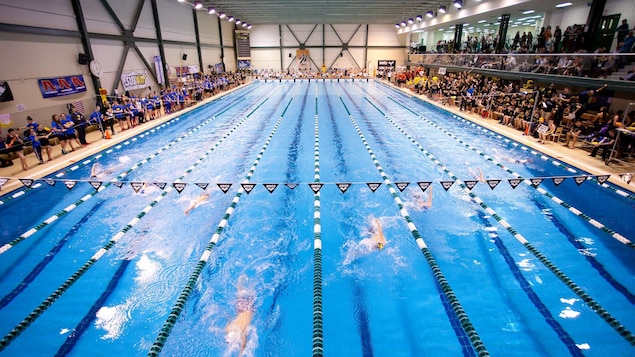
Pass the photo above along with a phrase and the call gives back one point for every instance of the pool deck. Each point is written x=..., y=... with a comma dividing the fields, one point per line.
x=574, y=157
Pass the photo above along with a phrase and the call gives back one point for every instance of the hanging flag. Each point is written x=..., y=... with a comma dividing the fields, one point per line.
x=343, y=186
x=493, y=183
x=79, y=106
x=291, y=185
x=248, y=187
x=202, y=185
x=602, y=178
x=627, y=177
x=50, y=181
x=402, y=185
x=27, y=182
x=536, y=181
x=70, y=184
x=558, y=180
x=160, y=185
x=3, y=180
x=136, y=186
x=514, y=182
x=179, y=186
x=270, y=186
x=446, y=184
x=117, y=183
x=470, y=184
x=373, y=185
x=224, y=186
x=423, y=185
x=579, y=179
x=96, y=184
x=316, y=186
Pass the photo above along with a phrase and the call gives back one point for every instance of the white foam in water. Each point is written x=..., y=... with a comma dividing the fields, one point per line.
x=124, y=159
x=586, y=241
x=64, y=331
x=583, y=346
x=526, y=265
x=587, y=252
x=568, y=301
x=567, y=313
x=111, y=319
x=146, y=269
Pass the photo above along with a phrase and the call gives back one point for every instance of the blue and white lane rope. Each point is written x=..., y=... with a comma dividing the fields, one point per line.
x=595, y=223
x=18, y=329
x=178, y=307
x=318, y=335
x=594, y=305
x=466, y=324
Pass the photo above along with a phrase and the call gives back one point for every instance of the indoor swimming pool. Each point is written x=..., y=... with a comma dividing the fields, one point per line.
x=251, y=226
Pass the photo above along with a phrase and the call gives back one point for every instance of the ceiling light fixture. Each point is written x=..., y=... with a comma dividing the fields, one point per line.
x=411, y=21
x=238, y=22
x=211, y=10
x=429, y=14
x=230, y=19
x=181, y=0
x=458, y=4
x=443, y=9
x=248, y=26
x=198, y=5
x=245, y=24
x=403, y=24
x=419, y=18
x=564, y=4
x=221, y=15
x=396, y=25
x=528, y=12
x=482, y=21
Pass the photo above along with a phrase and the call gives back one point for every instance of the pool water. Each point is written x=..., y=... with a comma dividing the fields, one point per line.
x=532, y=270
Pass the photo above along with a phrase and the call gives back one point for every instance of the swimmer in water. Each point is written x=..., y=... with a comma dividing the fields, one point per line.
x=197, y=202
x=425, y=204
x=94, y=170
x=238, y=328
x=478, y=176
x=378, y=234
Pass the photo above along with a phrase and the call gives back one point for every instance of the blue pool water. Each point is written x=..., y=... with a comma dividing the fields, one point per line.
x=545, y=270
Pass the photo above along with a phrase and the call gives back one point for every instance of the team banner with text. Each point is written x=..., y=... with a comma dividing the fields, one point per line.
x=134, y=80
x=60, y=86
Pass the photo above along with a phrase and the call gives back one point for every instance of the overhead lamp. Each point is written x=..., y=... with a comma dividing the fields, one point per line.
x=411, y=21
x=211, y=10
x=198, y=5
x=419, y=18
x=238, y=22
x=397, y=26
x=403, y=24
x=221, y=15
x=244, y=24
x=458, y=4
x=564, y=4
x=181, y=0
x=528, y=12
x=482, y=21
x=230, y=19
x=443, y=9
x=248, y=26
x=429, y=13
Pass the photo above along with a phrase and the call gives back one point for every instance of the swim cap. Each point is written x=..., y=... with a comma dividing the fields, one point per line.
x=542, y=120
x=380, y=246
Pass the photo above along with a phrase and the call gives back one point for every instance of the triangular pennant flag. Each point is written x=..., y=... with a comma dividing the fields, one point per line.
x=402, y=185
x=118, y=183
x=179, y=186
x=602, y=178
x=96, y=184
x=515, y=182
x=470, y=184
x=627, y=177
x=160, y=185
x=291, y=185
x=446, y=184
x=70, y=184
x=536, y=181
x=27, y=182
x=316, y=186
x=373, y=185
x=50, y=181
x=3, y=180
x=424, y=185
x=202, y=185
x=224, y=186
x=343, y=186
x=136, y=186
x=558, y=180
x=493, y=183
x=270, y=186
x=579, y=179
x=248, y=187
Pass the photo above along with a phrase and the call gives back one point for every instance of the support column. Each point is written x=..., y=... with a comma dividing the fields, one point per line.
x=593, y=24
x=83, y=31
x=198, y=41
x=458, y=32
x=502, y=33
x=157, y=26
x=222, y=48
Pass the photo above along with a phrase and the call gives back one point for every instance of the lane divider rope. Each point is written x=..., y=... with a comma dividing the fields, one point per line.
x=318, y=335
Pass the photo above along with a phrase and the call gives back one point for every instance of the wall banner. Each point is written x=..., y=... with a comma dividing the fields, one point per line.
x=134, y=80
x=158, y=68
x=56, y=87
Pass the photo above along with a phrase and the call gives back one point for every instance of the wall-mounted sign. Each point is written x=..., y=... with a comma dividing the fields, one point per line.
x=134, y=80
x=56, y=87
x=386, y=64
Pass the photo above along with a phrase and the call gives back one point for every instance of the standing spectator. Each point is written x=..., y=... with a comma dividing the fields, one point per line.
x=557, y=35
x=97, y=118
x=530, y=41
x=43, y=134
x=14, y=143
x=79, y=121
x=622, y=31
x=30, y=135
x=548, y=39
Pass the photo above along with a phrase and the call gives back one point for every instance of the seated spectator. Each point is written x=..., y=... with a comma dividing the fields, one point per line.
x=629, y=77
x=572, y=136
x=605, y=144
